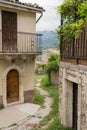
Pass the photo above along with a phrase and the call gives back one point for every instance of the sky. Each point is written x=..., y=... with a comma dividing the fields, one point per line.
x=50, y=19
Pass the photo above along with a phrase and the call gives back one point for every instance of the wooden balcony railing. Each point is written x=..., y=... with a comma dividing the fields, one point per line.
x=29, y=43
x=75, y=50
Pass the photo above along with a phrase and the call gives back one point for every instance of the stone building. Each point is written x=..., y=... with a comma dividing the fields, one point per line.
x=19, y=44
x=46, y=54
x=42, y=60
x=73, y=83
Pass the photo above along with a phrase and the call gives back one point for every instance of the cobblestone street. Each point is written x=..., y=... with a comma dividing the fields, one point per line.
x=32, y=120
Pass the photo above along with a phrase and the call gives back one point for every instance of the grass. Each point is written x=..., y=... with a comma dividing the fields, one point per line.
x=14, y=124
x=1, y=106
x=38, y=76
x=56, y=125
x=53, y=92
x=38, y=99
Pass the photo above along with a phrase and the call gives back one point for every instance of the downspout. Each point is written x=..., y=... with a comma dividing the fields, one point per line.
x=24, y=6
x=39, y=17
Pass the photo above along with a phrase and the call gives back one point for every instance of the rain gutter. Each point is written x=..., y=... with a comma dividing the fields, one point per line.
x=22, y=6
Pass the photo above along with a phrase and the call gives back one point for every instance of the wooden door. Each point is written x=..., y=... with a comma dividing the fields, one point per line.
x=12, y=86
x=9, y=31
x=75, y=106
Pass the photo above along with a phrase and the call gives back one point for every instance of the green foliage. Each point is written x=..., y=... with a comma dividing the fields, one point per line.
x=82, y=10
x=1, y=106
x=45, y=82
x=38, y=99
x=56, y=125
x=38, y=67
x=53, y=62
x=14, y=124
x=38, y=76
x=74, y=16
x=53, y=93
x=67, y=9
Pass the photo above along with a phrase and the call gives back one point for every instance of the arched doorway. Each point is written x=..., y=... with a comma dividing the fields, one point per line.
x=12, y=86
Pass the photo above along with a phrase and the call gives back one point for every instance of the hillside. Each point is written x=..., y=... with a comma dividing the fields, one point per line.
x=48, y=39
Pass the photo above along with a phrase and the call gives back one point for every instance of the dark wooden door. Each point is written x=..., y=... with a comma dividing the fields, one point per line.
x=75, y=106
x=9, y=31
x=12, y=86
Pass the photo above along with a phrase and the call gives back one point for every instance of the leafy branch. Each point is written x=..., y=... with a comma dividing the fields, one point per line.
x=74, y=16
x=52, y=64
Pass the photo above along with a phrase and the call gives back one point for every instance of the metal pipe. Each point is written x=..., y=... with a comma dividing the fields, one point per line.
x=39, y=18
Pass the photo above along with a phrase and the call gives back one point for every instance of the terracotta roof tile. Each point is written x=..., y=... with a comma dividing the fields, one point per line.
x=26, y=4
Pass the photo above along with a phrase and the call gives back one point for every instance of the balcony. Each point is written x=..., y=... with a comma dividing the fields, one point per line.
x=21, y=43
x=75, y=50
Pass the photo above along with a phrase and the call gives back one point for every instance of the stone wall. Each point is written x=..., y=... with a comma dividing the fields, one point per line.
x=69, y=74
x=54, y=77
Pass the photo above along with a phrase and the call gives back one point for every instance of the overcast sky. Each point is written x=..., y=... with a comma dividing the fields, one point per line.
x=50, y=19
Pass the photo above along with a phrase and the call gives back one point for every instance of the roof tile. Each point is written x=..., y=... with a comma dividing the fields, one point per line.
x=26, y=4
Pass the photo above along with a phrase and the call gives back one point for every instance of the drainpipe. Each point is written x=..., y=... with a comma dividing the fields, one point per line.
x=39, y=17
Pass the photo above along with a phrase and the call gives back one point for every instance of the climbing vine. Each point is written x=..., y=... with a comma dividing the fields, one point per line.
x=74, y=15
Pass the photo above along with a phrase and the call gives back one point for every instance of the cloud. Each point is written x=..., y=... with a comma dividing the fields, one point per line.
x=50, y=20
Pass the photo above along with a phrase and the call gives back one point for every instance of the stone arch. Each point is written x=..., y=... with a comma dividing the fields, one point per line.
x=4, y=77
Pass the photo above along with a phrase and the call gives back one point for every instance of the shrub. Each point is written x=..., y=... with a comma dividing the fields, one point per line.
x=1, y=106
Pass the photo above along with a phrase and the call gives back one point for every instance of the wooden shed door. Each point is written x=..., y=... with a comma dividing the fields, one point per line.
x=75, y=106
x=12, y=86
x=9, y=31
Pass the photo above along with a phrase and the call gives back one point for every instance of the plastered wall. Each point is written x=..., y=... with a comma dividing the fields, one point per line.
x=25, y=67
x=26, y=22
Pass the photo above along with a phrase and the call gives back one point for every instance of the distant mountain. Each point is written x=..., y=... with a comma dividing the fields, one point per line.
x=48, y=39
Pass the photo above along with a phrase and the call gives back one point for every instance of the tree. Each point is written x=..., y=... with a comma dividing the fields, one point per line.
x=74, y=16
x=52, y=64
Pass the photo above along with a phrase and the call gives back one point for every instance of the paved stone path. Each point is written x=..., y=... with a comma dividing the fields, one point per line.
x=31, y=122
